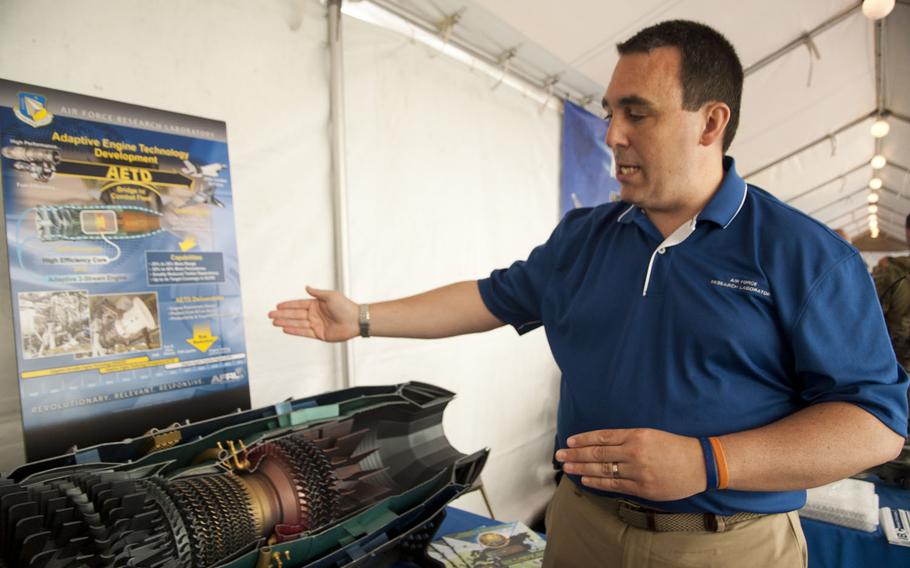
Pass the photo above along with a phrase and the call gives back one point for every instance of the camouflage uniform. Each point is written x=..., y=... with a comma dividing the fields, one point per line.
x=892, y=282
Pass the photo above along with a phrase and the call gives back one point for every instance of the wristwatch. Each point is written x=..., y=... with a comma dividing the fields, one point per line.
x=364, y=320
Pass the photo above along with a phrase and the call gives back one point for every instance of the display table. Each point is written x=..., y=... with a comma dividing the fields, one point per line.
x=830, y=546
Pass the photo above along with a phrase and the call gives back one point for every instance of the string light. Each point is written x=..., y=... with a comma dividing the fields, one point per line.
x=880, y=128
x=873, y=197
x=877, y=9
x=873, y=209
x=878, y=162
x=875, y=183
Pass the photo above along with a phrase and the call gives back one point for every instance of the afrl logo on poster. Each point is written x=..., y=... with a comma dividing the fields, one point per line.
x=32, y=110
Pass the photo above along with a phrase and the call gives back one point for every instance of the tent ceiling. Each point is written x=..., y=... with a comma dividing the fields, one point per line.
x=804, y=130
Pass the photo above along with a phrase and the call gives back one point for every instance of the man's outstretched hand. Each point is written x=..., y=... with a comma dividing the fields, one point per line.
x=329, y=316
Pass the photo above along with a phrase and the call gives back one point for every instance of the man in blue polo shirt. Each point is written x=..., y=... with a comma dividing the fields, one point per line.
x=720, y=351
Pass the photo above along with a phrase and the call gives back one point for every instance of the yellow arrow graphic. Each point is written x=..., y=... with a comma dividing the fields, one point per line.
x=187, y=244
x=202, y=337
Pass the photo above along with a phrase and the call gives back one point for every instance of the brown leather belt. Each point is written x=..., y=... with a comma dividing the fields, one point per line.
x=661, y=521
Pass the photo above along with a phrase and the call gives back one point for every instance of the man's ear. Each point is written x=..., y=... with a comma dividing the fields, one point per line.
x=717, y=116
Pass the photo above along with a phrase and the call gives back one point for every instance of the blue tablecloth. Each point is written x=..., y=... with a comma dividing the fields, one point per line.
x=830, y=546
x=458, y=520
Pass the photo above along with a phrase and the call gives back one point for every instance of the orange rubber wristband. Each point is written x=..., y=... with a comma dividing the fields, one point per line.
x=723, y=474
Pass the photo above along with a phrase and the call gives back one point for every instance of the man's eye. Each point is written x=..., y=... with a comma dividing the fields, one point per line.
x=636, y=117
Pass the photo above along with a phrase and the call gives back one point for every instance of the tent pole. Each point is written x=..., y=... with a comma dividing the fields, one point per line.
x=815, y=142
x=492, y=64
x=854, y=169
x=343, y=351
x=800, y=41
x=879, y=75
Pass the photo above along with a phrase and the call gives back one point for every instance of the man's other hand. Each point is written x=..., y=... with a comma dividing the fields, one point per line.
x=652, y=464
x=329, y=316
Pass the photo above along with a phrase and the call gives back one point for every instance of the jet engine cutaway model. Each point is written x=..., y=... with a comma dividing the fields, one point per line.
x=333, y=480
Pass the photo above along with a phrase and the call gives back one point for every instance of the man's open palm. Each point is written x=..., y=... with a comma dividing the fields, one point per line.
x=329, y=316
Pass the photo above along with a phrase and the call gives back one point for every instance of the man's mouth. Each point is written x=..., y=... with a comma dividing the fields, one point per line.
x=627, y=169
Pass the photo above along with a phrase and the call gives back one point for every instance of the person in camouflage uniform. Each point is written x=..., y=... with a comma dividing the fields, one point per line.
x=892, y=282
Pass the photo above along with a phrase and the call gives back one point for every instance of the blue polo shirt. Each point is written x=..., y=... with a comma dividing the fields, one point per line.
x=745, y=315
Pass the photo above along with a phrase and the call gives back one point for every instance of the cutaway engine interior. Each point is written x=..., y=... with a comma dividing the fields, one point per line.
x=328, y=481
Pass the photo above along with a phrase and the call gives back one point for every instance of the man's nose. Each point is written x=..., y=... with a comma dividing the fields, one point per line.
x=615, y=135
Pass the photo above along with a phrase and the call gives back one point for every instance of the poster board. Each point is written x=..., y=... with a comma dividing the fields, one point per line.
x=124, y=282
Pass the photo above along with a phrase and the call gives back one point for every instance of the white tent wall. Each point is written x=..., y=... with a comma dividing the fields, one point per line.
x=447, y=179
x=259, y=66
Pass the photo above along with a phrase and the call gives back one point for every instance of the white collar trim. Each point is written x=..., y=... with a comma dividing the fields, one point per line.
x=741, y=203
x=676, y=237
x=624, y=213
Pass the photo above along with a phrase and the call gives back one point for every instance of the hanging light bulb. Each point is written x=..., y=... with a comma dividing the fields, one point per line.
x=872, y=198
x=873, y=233
x=880, y=128
x=873, y=209
x=875, y=183
x=877, y=9
x=878, y=162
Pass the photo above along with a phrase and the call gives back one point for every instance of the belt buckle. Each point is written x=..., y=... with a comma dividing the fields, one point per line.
x=650, y=514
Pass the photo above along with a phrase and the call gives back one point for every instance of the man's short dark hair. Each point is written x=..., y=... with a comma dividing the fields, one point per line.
x=710, y=69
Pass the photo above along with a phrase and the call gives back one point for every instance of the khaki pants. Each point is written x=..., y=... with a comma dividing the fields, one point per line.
x=583, y=530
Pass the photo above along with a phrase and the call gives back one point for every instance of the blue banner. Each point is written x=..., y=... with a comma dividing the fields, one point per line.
x=123, y=267
x=586, y=179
